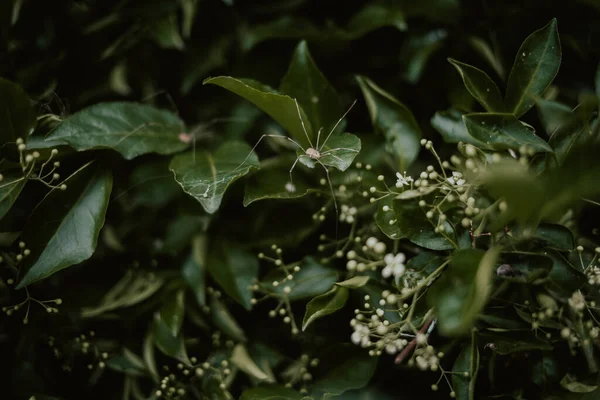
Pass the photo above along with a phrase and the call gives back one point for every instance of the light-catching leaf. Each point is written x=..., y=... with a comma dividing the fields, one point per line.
x=63, y=230
x=462, y=291
x=241, y=359
x=339, y=152
x=206, y=176
x=280, y=107
x=132, y=129
x=325, y=304
x=224, y=321
x=10, y=188
x=572, y=385
x=450, y=125
x=503, y=131
x=234, y=270
x=17, y=115
x=480, y=85
x=392, y=119
x=172, y=311
x=317, y=98
x=535, y=67
x=354, y=283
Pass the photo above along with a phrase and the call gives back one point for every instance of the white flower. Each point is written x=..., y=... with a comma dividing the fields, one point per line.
x=403, y=180
x=290, y=187
x=360, y=335
x=456, y=179
x=577, y=301
x=394, y=265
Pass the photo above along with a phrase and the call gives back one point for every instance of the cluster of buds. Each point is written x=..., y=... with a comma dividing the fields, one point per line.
x=298, y=374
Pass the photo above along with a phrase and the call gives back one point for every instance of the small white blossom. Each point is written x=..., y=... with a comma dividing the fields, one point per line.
x=456, y=179
x=577, y=301
x=403, y=180
x=394, y=265
x=290, y=187
x=360, y=335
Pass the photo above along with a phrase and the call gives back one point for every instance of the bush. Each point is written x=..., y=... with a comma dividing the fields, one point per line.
x=411, y=214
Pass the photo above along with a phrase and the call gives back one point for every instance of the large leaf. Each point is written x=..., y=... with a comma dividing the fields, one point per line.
x=280, y=107
x=503, y=131
x=312, y=280
x=234, y=270
x=407, y=220
x=206, y=176
x=172, y=311
x=10, y=188
x=318, y=99
x=349, y=368
x=480, y=85
x=131, y=129
x=63, y=230
x=17, y=116
x=224, y=321
x=462, y=291
x=241, y=359
x=325, y=304
x=450, y=125
x=194, y=268
x=339, y=151
x=394, y=120
x=467, y=363
x=535, y=67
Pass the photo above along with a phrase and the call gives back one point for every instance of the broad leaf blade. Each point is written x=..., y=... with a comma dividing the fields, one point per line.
x=467, y=363
x=17, y=116
x=10, y=188
x=206, y=176
x=131, y=129
x=535, y=67
x=63, y=230
x=340, y=150
x=450, y=125
x=270, y=392
x=325, y=304
x=392, y=119
x=503, y=131
x=280, y=107
x=480, y=85
x=319, y=100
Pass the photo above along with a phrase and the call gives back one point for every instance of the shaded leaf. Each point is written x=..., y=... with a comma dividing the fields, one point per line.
x=485, y=51
x=312, y=280
x=394, y=120
x=167, y=343
x=480, y=85
x=416, y=51
x=153, y=184
x=206, y=176
x=194, y=269
x=270, y=392
x=513, y=342
x=451, y=126
x=461, y=293
x=466, y=362
x=280, y=107
x=241, y=359
x=234, y=270
x=10, y=187
x=17, y=116
x=131, y=129
x=354, y=283
x=172, y=311
x=569, y=383
x=325, y=304
x=535, y=67
x=55, y=233
x=317, y=98
x=225, y=322
x=165, y=33
x=375, y=15
x=503, y=131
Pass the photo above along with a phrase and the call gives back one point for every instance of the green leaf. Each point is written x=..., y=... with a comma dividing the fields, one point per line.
x=225, y=322
x=131, y=129
x=349, y=368
x=513, y=342
x=172, y=311
x=280, y=107
x=270, y=392
x=167, y=343
x=10, y=187
x=153, y=184
x=535, y=67
x=490, y=56
x=339, y=151
x=557, y=236
x=241, y=359
x=271, y=180
x=325, y=304
x=63, y=229
x=375, y=15
x=206, y=176
x=461, y=293
x=165, y=33
x=312, y=280
x=394, y=120
x=194, y=269
x=416, y=51
x=451, y=126
x=234, y=270
x=354, y=283
x=503, y=131
x=317, y=98
x=17, y=116
x=480, y=85
x=569, y=383
x=180, y=231
x=467, y=361
x=409, y=221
